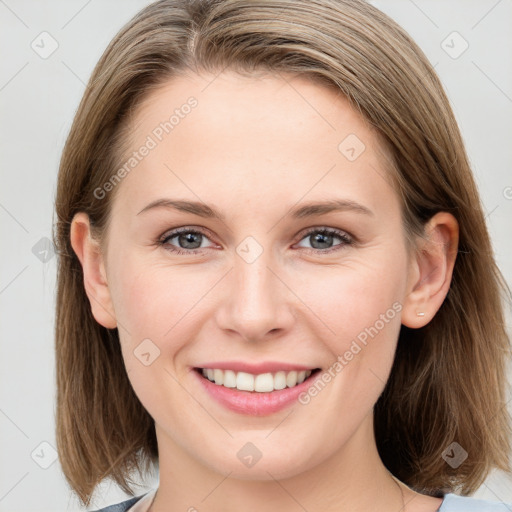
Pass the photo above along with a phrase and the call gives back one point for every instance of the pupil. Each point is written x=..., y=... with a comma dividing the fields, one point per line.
x=321, y=238
x=189, y=237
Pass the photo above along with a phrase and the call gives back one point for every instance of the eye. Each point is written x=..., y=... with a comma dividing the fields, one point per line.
x=190, y=241
x=321, y=240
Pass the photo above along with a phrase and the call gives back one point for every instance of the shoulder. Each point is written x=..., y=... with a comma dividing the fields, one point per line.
x=454, y=503
x=123, y=506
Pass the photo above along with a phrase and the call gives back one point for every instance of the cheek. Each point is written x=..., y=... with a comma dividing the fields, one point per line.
x=160, y=303
x=359, y=309
x=353, y=298
x=153, y=306
x=149, y=297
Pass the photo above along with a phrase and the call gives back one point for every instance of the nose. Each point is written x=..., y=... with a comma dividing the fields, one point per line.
x=256, y=302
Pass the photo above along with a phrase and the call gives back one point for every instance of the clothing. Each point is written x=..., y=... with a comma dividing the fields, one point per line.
x=451, y=503
x=454, y=503
x=136, y=504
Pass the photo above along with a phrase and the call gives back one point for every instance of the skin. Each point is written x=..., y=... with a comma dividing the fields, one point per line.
x=255, y=147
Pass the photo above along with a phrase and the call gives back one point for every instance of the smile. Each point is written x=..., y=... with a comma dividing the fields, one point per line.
x=261, y=383
x=266, y=399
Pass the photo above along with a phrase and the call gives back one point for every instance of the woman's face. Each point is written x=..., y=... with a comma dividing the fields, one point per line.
x=259, y=284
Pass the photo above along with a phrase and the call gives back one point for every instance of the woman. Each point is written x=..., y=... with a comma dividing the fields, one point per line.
x=333, y=337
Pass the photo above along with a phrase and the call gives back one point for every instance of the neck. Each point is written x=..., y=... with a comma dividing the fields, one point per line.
x=353, y=478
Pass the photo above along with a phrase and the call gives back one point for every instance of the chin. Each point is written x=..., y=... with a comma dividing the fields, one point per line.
x=277, y=465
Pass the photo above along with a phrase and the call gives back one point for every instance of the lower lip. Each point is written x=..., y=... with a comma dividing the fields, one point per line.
x=255, y=403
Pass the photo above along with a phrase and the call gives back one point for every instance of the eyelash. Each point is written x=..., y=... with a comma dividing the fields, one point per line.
x=346, y=240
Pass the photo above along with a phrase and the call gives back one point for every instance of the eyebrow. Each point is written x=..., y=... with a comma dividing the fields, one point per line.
x=300, y=212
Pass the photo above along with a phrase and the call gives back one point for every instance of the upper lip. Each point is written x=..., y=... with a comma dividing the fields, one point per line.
x=256, y=368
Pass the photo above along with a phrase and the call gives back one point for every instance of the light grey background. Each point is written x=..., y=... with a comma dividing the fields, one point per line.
x=38, y=98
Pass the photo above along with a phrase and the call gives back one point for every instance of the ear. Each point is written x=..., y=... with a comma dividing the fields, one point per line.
x=89, y=253
x=431, y=269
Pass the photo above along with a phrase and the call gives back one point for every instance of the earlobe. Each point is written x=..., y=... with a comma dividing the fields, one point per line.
x=432, y=272
x=96, y=287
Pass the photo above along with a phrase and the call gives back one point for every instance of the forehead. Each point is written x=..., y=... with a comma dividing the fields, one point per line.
x=250, y=138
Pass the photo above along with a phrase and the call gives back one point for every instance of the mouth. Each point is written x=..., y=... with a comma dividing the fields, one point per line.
x=260, y=383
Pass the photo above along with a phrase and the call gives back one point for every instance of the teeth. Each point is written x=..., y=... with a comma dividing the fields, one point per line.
x=262, y=383
x=280, y=380
x=229, y=379
x=218, y=376
x=291, y=379
x=244, y=381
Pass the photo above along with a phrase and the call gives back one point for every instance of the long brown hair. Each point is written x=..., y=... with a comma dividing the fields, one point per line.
x=448, y=382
